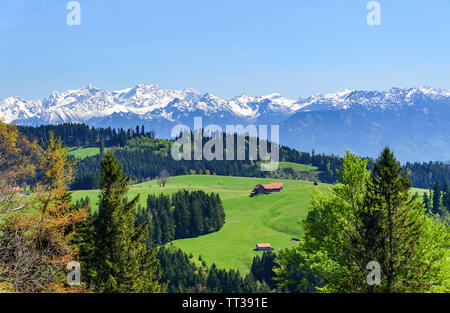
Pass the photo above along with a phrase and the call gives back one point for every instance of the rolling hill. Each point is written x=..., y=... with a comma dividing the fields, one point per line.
x=265, y=218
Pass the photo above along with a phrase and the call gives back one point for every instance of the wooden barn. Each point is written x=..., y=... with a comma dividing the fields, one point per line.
x=266, y=189
x=263, y=246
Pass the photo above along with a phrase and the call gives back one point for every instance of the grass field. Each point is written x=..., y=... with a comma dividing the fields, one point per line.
x=264, y=218
x=298, y=167
x=419, y=191
x=84, y=152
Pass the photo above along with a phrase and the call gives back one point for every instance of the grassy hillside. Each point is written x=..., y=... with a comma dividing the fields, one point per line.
x=419, y=191
x=265, y=218
x=84, y=152
x=298, y=167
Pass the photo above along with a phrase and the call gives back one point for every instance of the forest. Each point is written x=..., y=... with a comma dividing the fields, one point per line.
x=183, y=215
x=144, y=157
x=369, y=217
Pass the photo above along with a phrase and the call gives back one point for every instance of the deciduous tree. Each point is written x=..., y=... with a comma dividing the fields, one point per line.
x=36, y=248
x=369, y=217
x=163, y=178
x=18, y=158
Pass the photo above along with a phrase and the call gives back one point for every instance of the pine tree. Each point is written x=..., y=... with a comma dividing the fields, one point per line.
x=116, y=257
x=436, y=198
x=446, y=196
x=400, y=224
x=137, y=132
x=181, y=214
x=262, y=268
x=196, y=219
x=213, y=281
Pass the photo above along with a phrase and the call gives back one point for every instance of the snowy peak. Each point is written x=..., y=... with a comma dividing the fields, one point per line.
x=15, y=108
x=393, y=99
x=253, y=107
x=146, y=101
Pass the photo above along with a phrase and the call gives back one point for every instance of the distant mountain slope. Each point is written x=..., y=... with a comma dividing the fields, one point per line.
x=414, y=122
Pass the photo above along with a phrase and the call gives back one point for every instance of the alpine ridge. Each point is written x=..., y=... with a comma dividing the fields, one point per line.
x=413, y=121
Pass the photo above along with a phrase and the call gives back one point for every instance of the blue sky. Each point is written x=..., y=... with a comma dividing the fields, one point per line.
x=227, y=47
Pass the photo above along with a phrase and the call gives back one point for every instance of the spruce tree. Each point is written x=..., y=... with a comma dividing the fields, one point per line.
x=116, y=257
x=400, y=223
x=436, y=198
x=213, y=282
x=446, y=196
x=196, y=219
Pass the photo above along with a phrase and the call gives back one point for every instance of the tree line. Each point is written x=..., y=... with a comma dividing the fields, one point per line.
x=141, y=155
x=437, y=201
x=79, y=135
x=183, y=215
x=185, y=274
x=424, y=175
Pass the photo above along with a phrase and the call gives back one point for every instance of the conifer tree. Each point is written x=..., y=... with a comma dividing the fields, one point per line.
x=446, y=196
x=116, y=257
x=436, y=198
x=196, y=219
x=401, y=226
x=369, y=218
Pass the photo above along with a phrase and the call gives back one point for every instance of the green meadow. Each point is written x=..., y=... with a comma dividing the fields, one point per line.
x=261, y=219
x=297, y=166
x=81, y=153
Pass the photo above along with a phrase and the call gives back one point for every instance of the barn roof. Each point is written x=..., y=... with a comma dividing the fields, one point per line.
x=271, y=186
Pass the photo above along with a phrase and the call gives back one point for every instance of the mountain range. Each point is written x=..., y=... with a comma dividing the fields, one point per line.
x=414, y=122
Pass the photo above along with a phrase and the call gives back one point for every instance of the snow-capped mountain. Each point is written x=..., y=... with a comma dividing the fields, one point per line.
x=150, y=101
x=414, y=121
x=144, y=101
x=17, y=109
x=394, y=99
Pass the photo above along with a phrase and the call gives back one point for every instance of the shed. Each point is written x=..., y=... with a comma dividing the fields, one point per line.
x=263, y=246
x=266, y=189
